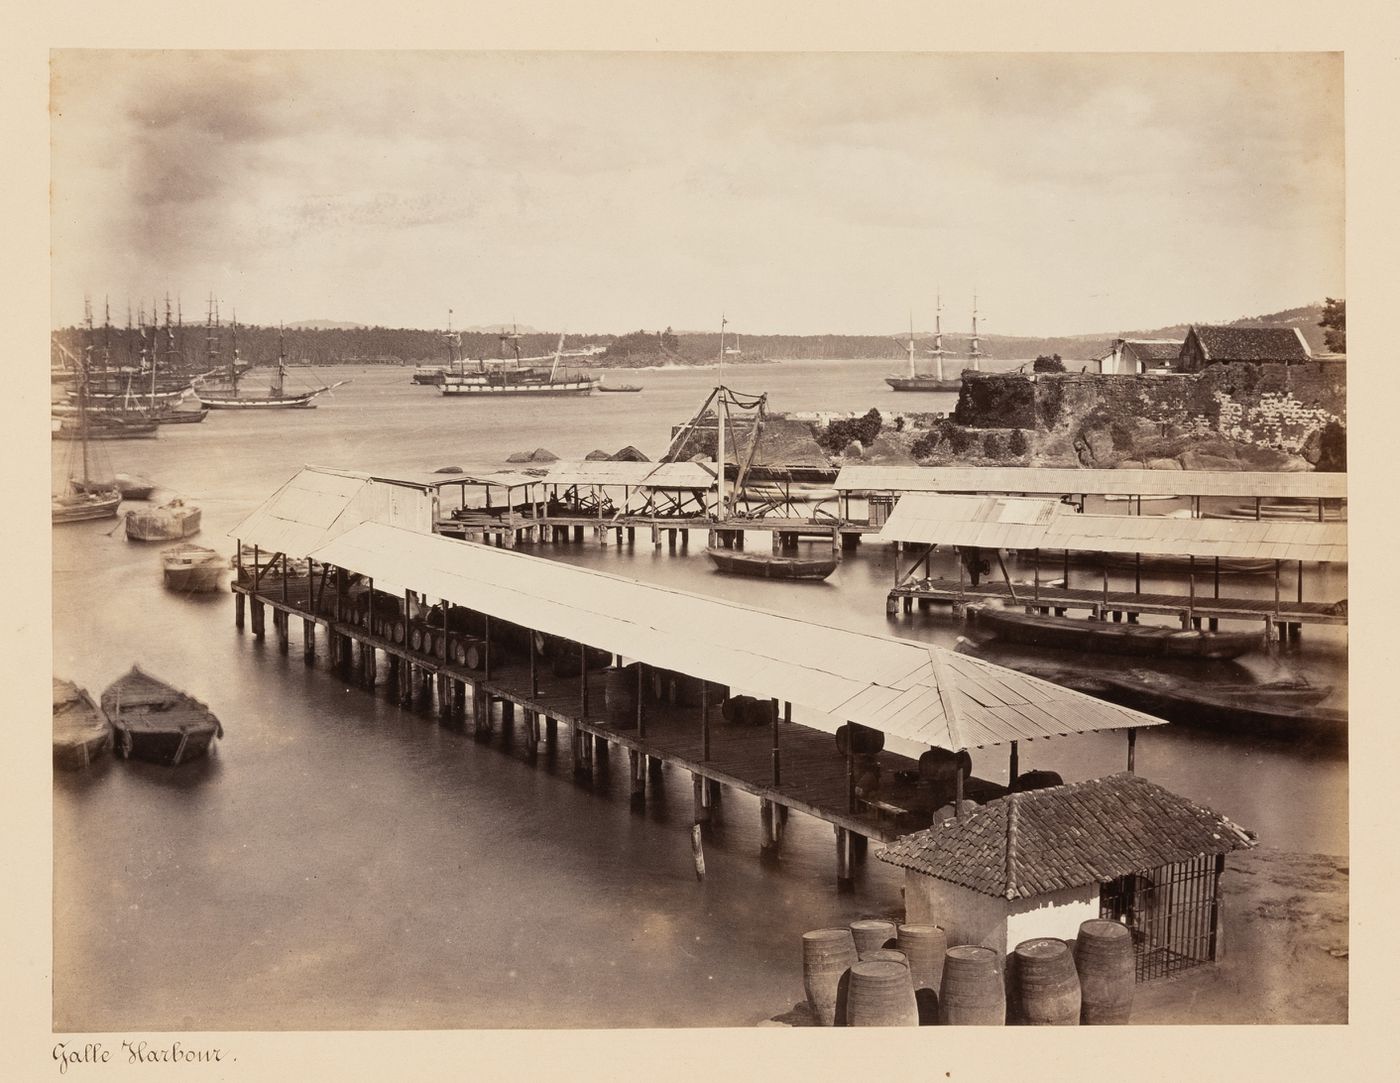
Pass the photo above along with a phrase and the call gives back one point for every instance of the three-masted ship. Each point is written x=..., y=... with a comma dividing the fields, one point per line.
x=231, y=397
x=936, y=380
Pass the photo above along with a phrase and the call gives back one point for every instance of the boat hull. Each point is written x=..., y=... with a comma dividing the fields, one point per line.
x=734, y=562
x=622, y=389
x=922, y=383
x=156, y=723
x=81, y=732
x=1108, y=637
x=541, y=390
x=192, y=569
x=165, y=523
x=83, y=507
x=270, y=402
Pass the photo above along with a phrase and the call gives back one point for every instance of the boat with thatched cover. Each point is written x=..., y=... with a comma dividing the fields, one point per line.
x=192, y=569
x=1073, y=633
x=771, y=566
x=81, y=732
x=169, y=522
x=158, y=723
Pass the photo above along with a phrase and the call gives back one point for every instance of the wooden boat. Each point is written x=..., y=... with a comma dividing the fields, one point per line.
x=929, y=381
x=771, y=566
x=135, y=488
x=192, y=569
x=103, y=426
x=169, y=522
x=81, y=732
x=1074, y=633
x=1286, y=710
x=78, y=507
x=618, y=387
x=157, y=723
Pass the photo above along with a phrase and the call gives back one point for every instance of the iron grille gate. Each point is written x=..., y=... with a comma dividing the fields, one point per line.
x=1173, y=913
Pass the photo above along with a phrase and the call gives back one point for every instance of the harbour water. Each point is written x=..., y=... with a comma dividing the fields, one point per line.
x=341, y=863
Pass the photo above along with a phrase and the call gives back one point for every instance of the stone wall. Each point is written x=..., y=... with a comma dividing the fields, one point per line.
x=1264, y=416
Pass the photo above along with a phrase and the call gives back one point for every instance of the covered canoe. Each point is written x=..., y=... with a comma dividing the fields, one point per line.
x=774, y=566
x=80, y=729
x=192, y=569
x=1073, y=633
x=156, y=722
x=169, y=522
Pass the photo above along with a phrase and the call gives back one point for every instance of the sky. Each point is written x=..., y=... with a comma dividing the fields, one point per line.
x=795, y=193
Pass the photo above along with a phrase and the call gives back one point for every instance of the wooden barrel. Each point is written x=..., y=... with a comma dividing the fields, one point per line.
x=889, y=955
x=827, y=956
x=474, y=654
x=1103, y=955
x=865, y=740
x=440, y=645
x=1044, y=984
x=940, y=765
x=620, y=693
x=415, y=638
x=923, y=946
x=459, y=652
x=872, y=934
x=397, y=632
x=971, y=992
x=880, y=995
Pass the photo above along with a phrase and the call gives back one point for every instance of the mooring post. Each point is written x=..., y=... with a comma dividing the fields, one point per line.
x=843, y=859
x=637, y=767
x=551, y=730
x=258, y=629
x=1015, y=770
x=1132, y=750
x=769, y=838
x=701, y=799
x=697, y=850
x=239, y=601
x=308, y=640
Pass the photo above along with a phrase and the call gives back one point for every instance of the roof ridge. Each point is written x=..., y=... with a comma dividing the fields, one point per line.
x=1013, y=840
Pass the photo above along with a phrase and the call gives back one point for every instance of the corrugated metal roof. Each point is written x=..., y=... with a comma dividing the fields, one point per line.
x=674, y=475
x=318, y=503
x=1062, y=480
x=422, y=479
x=967, y=520
x=912, y=691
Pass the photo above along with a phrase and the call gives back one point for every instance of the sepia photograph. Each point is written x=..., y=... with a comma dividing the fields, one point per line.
x=576, y=540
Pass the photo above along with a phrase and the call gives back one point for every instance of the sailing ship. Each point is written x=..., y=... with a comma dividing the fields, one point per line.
x=537, y=381
x=121, y=389
x=84, y=497
x=434, y=375
x=929, y=381
x=231, y=398
x=156, y=722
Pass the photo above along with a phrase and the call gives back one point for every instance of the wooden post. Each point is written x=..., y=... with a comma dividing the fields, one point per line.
x=704, y=720
x=582, y=682
x=636, y=764
x=1300, y=582
x=768, y=837
x=697, y=849
x=551, y=730
x=534, y=669
x=1278, y=570
x=777, y=765
x=958, y=793
x=1036, y=566
x=308, y=640
x=641, y=695
x=1015, y=770
x=486, y=661
x=1191, y=585
x=239, y=601
x=850, y=771
x=701, y=799
x=1132, y=750
x=843, y=857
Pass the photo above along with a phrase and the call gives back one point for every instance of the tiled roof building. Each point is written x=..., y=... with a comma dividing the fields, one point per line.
x=1208, y=345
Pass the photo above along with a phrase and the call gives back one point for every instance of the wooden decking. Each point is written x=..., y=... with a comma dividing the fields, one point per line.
x=1280, y=611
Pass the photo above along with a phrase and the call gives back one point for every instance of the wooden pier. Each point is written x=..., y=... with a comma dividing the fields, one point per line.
x=473, y=665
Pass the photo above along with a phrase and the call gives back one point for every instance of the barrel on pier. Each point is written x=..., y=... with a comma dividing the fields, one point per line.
x=827, y=955
x=863, y=740
x=971, y=992
x=888, y=955
x=1044, y=984
x=938, y=765
x=1104, y=957
x=872, y=934
x=880, y=995
x=924, y=946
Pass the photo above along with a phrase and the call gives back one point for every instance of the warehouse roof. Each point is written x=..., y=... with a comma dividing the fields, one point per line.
x=1043, y=480
x=913, y=691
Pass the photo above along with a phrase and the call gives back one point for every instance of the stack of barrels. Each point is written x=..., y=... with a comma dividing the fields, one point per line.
x=876, y=973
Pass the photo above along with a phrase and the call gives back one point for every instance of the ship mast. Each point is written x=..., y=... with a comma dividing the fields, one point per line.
x=278, y=388
x=912, y=372
x=211, y=346
x=938, y=334
x=719, y=424
x=975, y=353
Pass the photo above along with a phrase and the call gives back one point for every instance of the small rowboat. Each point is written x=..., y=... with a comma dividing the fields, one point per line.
x=776, y=566
x=169, y=522
x=1073, y=633
x=618, y=387
x=157, y=723
x=80, y=729
x=192, y=569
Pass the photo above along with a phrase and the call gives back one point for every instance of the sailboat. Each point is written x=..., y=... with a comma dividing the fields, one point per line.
x=521, y=381
x=924, y=381
x=84, y=497
x=277, y=397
